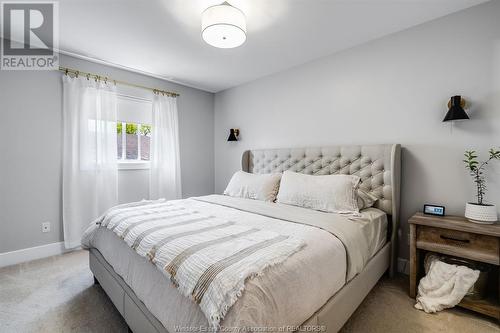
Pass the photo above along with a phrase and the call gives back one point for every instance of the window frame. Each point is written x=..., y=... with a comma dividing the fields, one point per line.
x=129, y=164
x=138, y=164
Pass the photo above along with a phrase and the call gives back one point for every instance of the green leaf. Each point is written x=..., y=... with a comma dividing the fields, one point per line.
x=131, y=128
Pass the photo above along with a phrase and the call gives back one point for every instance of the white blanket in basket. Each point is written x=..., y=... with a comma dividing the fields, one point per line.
x=444, y=286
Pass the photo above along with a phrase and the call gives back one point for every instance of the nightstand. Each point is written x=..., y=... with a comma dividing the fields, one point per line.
x=455, y=236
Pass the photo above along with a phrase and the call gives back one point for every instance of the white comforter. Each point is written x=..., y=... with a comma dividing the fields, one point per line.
x=285, y=294
x=208, y=258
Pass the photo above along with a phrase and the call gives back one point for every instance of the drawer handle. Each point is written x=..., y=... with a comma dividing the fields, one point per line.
x=454, y=239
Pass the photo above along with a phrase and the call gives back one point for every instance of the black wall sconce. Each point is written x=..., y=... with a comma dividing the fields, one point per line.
x=456, y=110
x=233, y=134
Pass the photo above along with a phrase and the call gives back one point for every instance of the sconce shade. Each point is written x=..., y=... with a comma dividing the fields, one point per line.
x=233, y=134
x=456, y=111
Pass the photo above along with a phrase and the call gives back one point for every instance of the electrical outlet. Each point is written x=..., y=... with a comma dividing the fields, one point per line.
x=45, y=226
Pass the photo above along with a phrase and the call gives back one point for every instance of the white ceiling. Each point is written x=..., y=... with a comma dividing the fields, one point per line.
x=162, y=37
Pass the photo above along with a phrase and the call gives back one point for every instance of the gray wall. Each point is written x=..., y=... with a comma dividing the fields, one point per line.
x=31, y=145
x=392, y=90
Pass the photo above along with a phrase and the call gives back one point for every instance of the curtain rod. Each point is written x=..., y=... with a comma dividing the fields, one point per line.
x=98, y=77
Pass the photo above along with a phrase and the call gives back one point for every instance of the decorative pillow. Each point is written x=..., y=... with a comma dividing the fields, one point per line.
x=254, y=186
x=365, y=199
x=330, y=193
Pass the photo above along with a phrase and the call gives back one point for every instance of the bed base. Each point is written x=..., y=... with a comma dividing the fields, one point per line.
x=333, y=314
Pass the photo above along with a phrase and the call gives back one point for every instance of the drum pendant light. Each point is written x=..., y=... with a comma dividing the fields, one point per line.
x=223, y=26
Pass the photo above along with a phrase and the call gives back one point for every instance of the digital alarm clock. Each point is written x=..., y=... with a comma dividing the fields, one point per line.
x=434, y=210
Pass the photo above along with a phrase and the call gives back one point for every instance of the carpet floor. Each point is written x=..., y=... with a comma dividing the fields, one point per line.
x=57, y=294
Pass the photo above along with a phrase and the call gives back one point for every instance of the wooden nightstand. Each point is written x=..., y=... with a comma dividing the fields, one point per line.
x=457, y=237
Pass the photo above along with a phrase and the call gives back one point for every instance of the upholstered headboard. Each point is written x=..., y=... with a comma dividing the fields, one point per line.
x=378, y=166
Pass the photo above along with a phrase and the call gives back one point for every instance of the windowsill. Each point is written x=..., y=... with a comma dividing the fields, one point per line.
x=133, y=165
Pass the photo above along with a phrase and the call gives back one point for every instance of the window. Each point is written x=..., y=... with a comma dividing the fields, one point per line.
x=133, y=142
x=133, y=133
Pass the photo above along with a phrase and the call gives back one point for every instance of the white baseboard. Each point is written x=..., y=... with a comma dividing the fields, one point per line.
x=31, y=253
x=403, y=266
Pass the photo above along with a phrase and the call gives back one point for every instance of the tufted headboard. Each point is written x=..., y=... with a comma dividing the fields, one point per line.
x=379, y=167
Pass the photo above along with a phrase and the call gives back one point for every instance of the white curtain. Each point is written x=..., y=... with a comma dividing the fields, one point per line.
x=89, y=154
x=165, y=172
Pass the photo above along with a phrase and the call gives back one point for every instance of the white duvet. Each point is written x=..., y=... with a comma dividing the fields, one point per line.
x=286, y=294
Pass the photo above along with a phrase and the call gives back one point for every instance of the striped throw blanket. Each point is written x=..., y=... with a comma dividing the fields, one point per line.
x=207, y=258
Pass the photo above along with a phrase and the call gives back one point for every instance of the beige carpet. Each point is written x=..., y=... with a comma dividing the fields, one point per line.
x=57, y=295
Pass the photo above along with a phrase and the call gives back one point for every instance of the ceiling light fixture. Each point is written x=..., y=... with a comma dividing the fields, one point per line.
x=223, y=26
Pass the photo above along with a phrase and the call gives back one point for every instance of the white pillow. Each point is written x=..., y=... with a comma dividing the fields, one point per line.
x=329, y=193
x=365, y=199
x=254, y=186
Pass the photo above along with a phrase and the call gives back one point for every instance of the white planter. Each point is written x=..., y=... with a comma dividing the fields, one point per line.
x=486, y=214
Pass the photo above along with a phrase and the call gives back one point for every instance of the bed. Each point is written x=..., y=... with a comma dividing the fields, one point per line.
x=319, y=286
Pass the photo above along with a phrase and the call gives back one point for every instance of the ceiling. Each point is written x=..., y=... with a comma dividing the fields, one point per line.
x=163, y=38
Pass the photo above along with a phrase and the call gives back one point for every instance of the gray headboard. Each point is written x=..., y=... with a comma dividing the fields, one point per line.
x=378, y=166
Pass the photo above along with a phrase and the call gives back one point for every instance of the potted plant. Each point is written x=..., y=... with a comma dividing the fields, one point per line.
x=480, y=212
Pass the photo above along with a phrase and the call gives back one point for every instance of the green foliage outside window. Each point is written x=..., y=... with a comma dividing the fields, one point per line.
x=146, y=130
x=132, y=129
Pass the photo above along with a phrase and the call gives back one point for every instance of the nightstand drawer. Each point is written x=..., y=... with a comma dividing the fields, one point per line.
x=459, y=243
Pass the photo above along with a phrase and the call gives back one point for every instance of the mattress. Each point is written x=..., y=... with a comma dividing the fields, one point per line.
x=287, y=294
